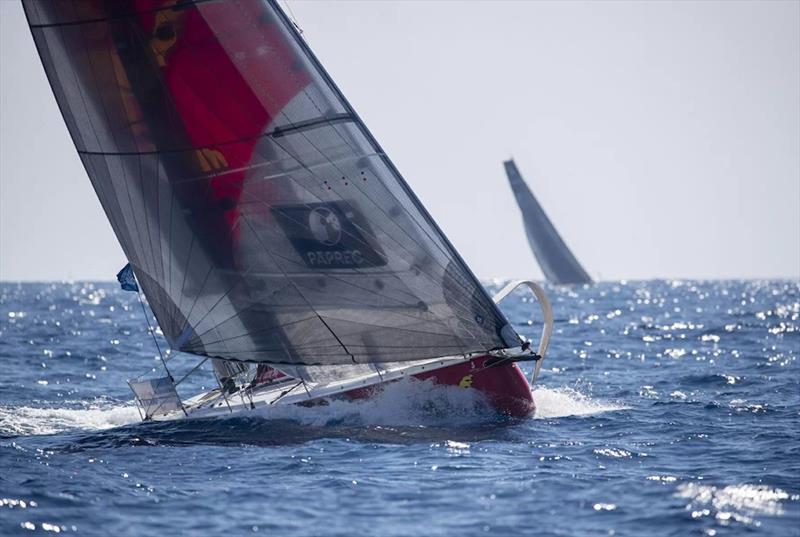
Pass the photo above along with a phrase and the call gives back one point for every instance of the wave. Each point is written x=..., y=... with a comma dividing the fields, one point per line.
x=740, y=503
x=413, y=403
x=408, y=403
x=28, y=421
x=565, y=402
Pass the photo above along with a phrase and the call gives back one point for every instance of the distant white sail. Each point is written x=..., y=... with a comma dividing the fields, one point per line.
x=557, y=261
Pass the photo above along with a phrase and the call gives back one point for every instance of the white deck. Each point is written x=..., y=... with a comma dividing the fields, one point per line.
x=293, y=391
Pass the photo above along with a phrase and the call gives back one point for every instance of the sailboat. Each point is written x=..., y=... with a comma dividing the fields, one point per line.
x=267, y=229
x=556, y=260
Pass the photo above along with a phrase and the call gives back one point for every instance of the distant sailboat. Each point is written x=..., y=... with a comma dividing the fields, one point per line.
x=267, y=228
x=557, y=261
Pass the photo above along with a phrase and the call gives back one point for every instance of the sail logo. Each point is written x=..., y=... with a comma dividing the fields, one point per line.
x=329, y=235
x=325, y=226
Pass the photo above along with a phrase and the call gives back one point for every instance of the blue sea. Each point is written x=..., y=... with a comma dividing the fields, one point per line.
x=664, y=408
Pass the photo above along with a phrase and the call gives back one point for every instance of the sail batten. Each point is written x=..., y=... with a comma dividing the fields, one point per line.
x=263, y=221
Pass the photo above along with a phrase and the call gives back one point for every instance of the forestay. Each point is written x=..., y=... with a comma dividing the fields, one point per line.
x=263, y=221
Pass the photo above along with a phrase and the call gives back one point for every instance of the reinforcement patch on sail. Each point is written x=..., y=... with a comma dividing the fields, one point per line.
x=557, y=261
x=263, y=221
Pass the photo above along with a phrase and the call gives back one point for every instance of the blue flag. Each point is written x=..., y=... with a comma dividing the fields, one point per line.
x=126, y=279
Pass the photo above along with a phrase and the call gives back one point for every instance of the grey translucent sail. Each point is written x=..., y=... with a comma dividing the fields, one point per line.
x=263, y=221
x=557, y=261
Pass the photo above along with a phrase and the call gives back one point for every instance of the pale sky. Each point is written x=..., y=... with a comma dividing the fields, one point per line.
x=663, y=139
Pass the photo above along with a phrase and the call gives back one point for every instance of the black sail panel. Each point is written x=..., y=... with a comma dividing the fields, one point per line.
x=263, y=221
x=557, y=261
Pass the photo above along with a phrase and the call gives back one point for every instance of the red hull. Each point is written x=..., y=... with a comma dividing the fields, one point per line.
x=504, y=386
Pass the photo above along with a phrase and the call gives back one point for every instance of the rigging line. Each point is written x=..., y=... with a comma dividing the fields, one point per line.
x=286, y=392
x=192, y=370
x=308, y=393
x=377, y=370
x=152, y=333
x=337, y=338
x=222, y=392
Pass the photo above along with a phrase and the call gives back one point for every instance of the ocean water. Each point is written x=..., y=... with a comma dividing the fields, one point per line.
x=664, y=408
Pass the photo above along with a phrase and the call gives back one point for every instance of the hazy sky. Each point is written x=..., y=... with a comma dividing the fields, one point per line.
x=663, y=139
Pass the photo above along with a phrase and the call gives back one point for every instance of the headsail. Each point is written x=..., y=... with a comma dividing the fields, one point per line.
x=557, y=261
x=262, y=219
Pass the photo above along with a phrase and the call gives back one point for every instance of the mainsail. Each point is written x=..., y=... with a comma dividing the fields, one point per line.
x=263, y=221
x=557, y=261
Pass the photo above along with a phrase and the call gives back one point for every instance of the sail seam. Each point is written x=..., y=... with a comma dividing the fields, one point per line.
x=277, y=132
x=181, y=4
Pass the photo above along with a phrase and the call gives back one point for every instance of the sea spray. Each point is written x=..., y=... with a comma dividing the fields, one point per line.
x=564, y=402
x=407, y=403
x=28, y=420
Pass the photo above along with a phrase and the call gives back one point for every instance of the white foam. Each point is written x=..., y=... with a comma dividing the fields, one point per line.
x=405, y=403
x=565, y=402
x=24, y=421
x=409, y=403
x=414, y=403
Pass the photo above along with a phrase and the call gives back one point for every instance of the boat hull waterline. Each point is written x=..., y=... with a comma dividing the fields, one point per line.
x=503, y=387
